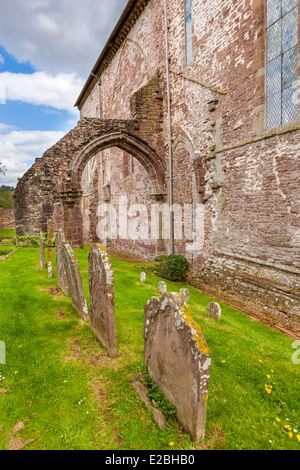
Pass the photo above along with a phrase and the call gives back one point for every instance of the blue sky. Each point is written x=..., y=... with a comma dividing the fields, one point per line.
x=47, y=50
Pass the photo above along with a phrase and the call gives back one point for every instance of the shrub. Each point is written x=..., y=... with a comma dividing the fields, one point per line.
x=173, y=267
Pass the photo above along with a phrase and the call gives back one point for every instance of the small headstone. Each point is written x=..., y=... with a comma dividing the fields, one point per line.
x=142, y=277
x=102, y=298
x=185, y=294
x=162, y=287
x=75, y=282
x=214, y=310
x=49, y=243
x=62, y=279
x=42, y=251
x=178, y=360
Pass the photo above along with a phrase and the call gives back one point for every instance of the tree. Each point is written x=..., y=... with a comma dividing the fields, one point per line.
x=2, y=168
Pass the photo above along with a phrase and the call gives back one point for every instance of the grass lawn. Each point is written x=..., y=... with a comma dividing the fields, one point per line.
x=65, y=393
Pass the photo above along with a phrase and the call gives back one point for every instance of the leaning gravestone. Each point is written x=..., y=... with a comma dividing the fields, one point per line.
x=178, y=360
x=75, y=282
x=42, y=251
x=62, y=279
x=214, y=310
x=162, y=287
x=102, y=298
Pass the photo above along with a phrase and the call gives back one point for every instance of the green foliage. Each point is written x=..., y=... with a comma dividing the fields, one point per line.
x=157, y=397
x=34, y=240
x=172, y=267
x=6, y=199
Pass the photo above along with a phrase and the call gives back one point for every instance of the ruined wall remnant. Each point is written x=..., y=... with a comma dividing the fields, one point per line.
x=178, y=359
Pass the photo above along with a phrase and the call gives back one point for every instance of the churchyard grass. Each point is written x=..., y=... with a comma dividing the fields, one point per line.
x=60, y=383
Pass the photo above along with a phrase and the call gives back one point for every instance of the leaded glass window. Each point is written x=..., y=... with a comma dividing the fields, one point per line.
x=282, y=50
x=188, y=32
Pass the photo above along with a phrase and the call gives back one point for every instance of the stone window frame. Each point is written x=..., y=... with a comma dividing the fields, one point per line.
x=267, y=62
x=258, y=69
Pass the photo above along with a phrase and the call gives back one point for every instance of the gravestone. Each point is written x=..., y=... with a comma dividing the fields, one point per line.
x=42, y=251
x=49, y=243
x=185, y=294
x=75, y=282
x=162, y=287
x=142, y=277
x=214, y=310
x=60, y=267
x=102, y=299
x=178, y=360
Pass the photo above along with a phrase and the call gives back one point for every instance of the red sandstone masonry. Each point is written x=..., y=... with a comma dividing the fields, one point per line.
x=249, y=187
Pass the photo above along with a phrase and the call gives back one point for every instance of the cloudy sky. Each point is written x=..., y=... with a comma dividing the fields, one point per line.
x=47, y=50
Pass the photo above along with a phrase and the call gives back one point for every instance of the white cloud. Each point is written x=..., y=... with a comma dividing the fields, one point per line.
x=40, y=88
x=19, y=149
x=58, y=35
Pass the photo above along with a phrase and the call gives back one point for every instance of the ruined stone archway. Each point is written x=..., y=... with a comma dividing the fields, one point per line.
x=147, y=157
x=51, y=188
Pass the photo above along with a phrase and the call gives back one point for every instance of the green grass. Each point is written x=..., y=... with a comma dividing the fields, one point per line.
x=61, y=384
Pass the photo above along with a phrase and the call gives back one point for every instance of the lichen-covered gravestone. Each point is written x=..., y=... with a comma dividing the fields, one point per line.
x=49, y=243
x=178, y=360
x=42, y=251
x=214, y=310
x=75, y=282
x=162, y=287
x=62, y=279
x=102, y=298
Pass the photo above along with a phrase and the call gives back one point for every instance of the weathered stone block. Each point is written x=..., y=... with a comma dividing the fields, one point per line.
x=214, y=310
x=185, y=293
x=162, y=287
x=102, y=298
x=62, y=279
x=142, y=277
x=178, y=359
x=75, y=282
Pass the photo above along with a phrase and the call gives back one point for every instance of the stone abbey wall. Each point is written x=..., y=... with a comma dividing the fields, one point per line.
x=244, y=177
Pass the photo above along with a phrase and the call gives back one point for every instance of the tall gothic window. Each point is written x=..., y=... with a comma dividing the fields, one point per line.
x=282, y=48
x=188, y=32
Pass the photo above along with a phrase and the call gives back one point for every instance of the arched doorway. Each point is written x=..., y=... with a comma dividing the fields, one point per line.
x=152, y=164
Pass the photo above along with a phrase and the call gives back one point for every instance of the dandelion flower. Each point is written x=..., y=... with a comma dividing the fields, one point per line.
x=268, y=376
x=171, y=444
x=259, y=360
x=290, y=434
x=16, y=371
x=278, y=420
x=298, y=437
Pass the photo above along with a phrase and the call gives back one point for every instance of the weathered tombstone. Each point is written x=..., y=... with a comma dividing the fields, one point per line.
x=102, y=298
x=49, y=243
x=185, y=294
x=214, y=310
x=162, y=287
x=178, y=360
x=42, y=251
x=142, y=277
x=62, y=279
x=75, y=282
